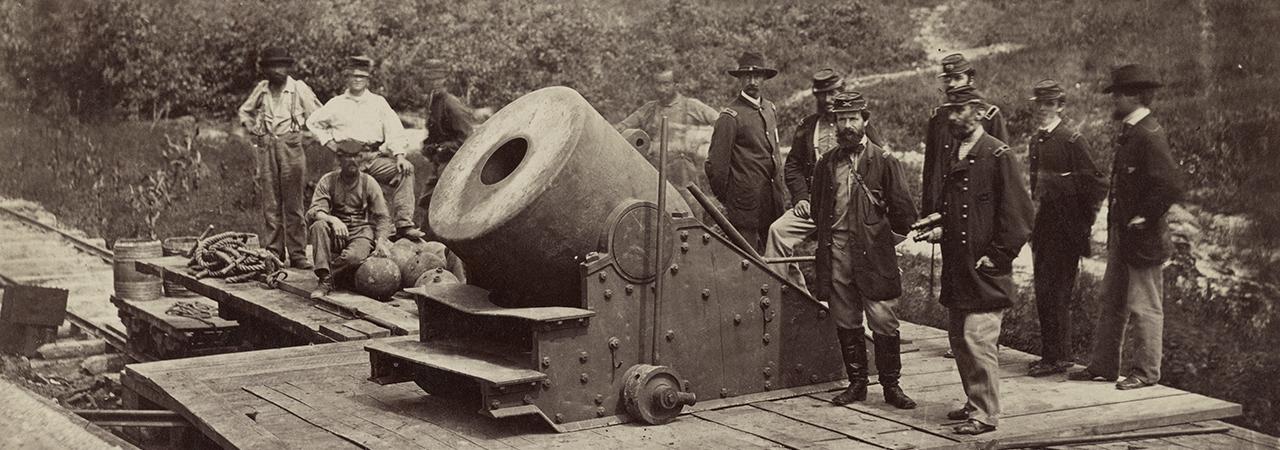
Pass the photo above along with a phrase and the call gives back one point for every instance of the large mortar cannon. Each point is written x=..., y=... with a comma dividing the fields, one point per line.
x=570, y=313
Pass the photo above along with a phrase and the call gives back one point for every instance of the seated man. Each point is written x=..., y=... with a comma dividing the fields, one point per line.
x=349, y=219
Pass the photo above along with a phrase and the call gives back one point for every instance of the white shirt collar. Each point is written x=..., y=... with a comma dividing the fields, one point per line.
x=754, y=101
x=1052, y=125
x=1136, y=116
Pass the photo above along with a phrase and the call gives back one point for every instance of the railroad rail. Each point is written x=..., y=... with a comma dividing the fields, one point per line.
x=114, y=338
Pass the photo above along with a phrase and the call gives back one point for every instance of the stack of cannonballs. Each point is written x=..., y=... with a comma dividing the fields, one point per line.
x=412, y=263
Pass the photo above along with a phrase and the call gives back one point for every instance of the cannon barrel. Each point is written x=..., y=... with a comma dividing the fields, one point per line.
x=531, y=194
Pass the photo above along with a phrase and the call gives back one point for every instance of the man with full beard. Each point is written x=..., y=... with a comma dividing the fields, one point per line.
x=986, y=218
x=860, y=201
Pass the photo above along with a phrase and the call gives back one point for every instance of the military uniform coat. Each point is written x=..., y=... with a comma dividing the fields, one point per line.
x=940, y=148
x=743, y=165
x=986, y=211
x=1070, y=189
x=1145, y=182
x=875, y=214
x=798, y=170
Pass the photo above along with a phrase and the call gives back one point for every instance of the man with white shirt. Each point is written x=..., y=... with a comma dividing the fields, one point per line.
x=743, y=164
x=275, y=114
x=1145, y=182
x=860, y=201
x=364, y=117
x=986, y=218
x=1069, y=189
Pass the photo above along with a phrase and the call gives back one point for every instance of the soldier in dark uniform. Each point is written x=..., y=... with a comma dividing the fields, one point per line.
x=743, y=165
x=986, y=218
x=939, y=144
x=860, y=201
x=1145, y=182
x=449, y=124
x=1069, y=189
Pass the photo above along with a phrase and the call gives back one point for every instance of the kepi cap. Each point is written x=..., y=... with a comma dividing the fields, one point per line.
x=1047, y=90
x=962, y=95
x=359, y=65
x=955, y=64
x=827, y=80
x=849, y=101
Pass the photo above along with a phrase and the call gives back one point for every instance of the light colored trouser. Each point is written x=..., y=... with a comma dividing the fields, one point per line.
x=397, y=187
x=784, y=235
x=973, y=337
x=281, y=173
x=1129, y=294
x=847, y=303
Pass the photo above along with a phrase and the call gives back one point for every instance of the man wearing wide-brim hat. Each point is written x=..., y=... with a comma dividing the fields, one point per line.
x=1145, y=182
x=986, y=219
x=1069, y=189
x=860, y=202
x=743, y=163
x=275, y=114
x=365, y=117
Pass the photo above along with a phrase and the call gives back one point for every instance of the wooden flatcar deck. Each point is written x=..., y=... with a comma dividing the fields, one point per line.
x=318, y=397
x=342, y=317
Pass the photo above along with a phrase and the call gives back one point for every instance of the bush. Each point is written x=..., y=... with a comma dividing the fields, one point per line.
x=156, y=59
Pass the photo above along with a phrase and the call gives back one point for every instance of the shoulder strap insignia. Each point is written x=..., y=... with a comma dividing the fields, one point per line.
x=1000, y=151
x=730, y=112
x=991, y=112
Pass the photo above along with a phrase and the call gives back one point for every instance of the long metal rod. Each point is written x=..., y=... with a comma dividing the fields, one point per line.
x=719, y=218
x=1037, y=443
x=89, y=247
x=790, y=259
x=133, y=418
x=658, y=269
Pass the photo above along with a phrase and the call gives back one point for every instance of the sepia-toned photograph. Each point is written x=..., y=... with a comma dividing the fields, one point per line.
x=639, y=224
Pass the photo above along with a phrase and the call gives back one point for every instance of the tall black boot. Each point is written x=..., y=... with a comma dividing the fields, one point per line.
x=853, y=349
x=889, y=366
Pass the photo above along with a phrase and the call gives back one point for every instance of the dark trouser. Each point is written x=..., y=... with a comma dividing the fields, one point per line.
x=281, y=173
x=336, y=255
x=1055, y=279
x=397, y=186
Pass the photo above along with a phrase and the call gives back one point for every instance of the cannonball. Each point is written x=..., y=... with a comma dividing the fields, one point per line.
x=378, y=278
x=436, y=276
x=415, y=258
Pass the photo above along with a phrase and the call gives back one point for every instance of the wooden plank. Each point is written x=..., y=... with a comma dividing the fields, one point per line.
x=341, y=333
x=774, y=427
x=687, y=431
x=854, y=424
x=211, y=416
x=340, y=393
x=156, y=313
x=1246, y=434
x=368, y=328
x=936, y=394
x=308, y=407
x=1110, y=418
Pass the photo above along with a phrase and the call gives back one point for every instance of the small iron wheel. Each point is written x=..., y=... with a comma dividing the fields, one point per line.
x=654, y=394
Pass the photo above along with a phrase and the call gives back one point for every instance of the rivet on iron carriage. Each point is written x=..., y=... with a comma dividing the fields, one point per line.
x=586, y=306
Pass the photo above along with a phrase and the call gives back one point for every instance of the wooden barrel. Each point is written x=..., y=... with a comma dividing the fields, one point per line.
x=129, y=283
x=178, y=246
